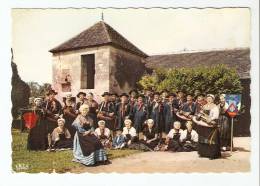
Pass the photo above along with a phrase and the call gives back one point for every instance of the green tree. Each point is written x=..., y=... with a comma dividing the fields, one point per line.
x=38, y=90
x=217, y=79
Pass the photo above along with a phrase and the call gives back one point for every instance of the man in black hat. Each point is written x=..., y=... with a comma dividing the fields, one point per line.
x=200, y=102
x=139, y=114
x=189, y=105
x=168, y=111
x=156, y=113
x=148, y=98
x=187, y=110
x=82, y=97
x=106, y=111
x=132, y=102
x=114, y=99
x=164, y=96
x=53, y=110
x=122, y=111
x=133, y=93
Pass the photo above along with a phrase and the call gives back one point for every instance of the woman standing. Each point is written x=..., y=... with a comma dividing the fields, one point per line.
x=209, y=142
x=225, y=131
x=37, y=139
x=87, y=149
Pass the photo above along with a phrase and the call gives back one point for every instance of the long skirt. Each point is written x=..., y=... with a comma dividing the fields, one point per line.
x=209, y=142
x=63, y=144
x=225, y=131
x=188, y=147
x=37, y=139
x=150, y=145
x=87, y=152
x=139, y=146
x=174, y=146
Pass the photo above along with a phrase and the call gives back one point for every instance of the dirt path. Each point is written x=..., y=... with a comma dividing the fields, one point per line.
x=150, y=162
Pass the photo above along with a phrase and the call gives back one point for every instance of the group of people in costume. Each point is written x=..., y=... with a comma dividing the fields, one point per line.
x=149, y=121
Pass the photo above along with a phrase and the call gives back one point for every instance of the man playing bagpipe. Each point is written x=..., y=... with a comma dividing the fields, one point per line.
x=53, y=110
x=187, y=110
x=106, y=111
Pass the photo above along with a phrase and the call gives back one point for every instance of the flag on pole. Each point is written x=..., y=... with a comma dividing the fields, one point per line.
x=234, y=104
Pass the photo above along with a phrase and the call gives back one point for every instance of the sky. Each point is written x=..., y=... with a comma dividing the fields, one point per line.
x=154, y=31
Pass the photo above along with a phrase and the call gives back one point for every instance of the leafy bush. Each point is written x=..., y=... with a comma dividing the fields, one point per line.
x=217, y=79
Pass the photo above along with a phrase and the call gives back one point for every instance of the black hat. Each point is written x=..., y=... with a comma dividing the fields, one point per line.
x=164, y=91
x=51, y=91
x=148, y=89
x=105, y=94
x=172, y=94
x=114, y=94
x=200, y=94
x=134, y=90
x=124, y=94
x=156, y=93
x=118, y=129
x=183, y=91
x=141, y=96
x=81, y=93
x=190, y=94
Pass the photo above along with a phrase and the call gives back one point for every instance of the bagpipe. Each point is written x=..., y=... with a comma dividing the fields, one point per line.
x=204, y=119
x=104, y=115
x=184, y=115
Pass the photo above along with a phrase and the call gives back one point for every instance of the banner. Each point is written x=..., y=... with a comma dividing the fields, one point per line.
x=234, y=104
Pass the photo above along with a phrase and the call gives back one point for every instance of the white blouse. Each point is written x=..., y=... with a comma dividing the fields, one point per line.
x=106, y=132
x=194, y=136
x=130, y=131
x=214, y=113
x=173, y=132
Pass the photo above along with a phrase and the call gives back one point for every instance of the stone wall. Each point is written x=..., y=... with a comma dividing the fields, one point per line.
x=70, y=62
x=125, y=70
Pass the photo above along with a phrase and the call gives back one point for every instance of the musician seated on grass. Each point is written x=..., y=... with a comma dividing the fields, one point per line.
x=173, y=138
x=103, y=134
x=60, y=137
x=119, y=140
x=129, y=133
x=189, y=138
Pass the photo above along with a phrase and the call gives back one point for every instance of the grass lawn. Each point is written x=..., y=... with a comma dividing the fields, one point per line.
x=43, y=161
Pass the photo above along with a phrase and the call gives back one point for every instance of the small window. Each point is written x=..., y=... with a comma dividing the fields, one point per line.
x=88, y=71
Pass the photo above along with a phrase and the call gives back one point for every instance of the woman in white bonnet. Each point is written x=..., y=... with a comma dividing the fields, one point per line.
x=87, y=149
x=209, y=142
x=61, y=137
x=37, y=136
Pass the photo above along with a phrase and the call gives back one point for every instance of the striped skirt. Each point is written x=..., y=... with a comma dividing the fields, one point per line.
x=98, y=155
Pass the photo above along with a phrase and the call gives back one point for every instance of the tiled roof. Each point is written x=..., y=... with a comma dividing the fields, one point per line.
x=238, y=58
x=97, y=35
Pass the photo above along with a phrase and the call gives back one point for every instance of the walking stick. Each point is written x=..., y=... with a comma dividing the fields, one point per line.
x=232, y=126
